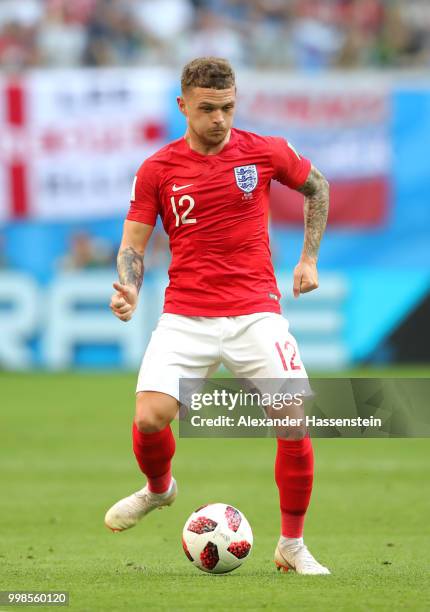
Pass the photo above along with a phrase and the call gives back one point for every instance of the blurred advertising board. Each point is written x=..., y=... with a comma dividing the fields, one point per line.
x=68, y=323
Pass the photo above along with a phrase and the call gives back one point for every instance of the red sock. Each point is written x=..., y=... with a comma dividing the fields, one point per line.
x=154, y=452
x=294, y=472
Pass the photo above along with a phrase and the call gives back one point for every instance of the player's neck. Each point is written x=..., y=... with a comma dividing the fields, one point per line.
x=196, y=144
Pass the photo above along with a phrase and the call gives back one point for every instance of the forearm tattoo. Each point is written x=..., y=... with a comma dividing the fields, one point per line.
x=316, y=192
x=130, y=267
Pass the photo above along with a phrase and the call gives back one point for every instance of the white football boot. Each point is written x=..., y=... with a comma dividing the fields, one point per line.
x=298, y=558
x=127, y=512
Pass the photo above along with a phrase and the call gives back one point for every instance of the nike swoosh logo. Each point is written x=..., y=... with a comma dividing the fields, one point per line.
x=178, y=188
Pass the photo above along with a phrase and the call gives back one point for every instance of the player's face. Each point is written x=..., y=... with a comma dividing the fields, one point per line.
x=209, y=112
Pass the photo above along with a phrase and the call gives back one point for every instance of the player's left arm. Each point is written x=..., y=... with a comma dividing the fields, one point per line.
x=316, y=205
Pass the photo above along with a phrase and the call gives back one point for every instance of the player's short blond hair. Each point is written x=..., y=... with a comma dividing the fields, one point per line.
x=210, y=72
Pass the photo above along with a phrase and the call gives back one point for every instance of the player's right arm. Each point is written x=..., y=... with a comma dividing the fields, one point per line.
x=130, y=268
x=138, y=228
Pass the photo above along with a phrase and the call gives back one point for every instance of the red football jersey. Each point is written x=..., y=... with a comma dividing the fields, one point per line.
x=215, y=209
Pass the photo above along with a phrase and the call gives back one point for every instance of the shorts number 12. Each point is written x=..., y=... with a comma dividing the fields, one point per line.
x=283, y=356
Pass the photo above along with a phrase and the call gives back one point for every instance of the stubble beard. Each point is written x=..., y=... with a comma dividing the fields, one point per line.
x=215, y=138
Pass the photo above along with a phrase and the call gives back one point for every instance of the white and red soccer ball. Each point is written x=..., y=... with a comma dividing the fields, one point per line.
x=217, y=538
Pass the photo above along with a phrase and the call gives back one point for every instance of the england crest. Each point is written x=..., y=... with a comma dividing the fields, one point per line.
x=246, y=177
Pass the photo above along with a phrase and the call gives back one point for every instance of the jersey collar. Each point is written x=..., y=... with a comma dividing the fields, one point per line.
x=224, y=150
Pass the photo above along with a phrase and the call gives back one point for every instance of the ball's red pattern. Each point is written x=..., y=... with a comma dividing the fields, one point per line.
x=209, y=556
x=233, y=518
x=202, y=525
x=239, y=549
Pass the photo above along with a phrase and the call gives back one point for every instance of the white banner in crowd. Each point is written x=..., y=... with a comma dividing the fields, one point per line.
x=71, y=141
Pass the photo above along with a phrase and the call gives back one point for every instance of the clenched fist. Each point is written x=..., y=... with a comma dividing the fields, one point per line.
x=305, y=277
x=124, y=301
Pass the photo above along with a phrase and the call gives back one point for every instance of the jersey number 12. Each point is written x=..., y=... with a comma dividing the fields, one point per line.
x=182, y=216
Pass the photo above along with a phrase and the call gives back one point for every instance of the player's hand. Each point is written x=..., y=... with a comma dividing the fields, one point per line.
x=124, y=301
x=305, y=276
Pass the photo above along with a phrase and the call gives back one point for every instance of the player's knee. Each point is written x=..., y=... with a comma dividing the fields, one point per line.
x=149, y=422
x=151, y=414
x=296, y=433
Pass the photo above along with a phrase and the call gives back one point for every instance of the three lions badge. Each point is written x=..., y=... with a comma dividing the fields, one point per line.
x=246, y=177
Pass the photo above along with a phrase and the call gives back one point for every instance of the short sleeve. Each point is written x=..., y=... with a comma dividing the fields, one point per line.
x=290, y=168
x=144, y=196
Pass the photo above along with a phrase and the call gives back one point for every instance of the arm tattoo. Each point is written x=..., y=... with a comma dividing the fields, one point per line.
x=316, y=192
x=130, y=267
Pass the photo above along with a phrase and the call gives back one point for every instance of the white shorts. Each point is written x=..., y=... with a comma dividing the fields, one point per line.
x=250, y=346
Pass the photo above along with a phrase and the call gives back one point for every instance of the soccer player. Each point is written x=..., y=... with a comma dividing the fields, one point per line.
x=211, y=190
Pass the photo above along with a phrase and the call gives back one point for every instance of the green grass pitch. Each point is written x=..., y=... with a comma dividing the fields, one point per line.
x=65, y=455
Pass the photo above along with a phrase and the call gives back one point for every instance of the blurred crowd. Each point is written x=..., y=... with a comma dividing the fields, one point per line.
x=89, y=252
x=297, y=34
x=86, y=251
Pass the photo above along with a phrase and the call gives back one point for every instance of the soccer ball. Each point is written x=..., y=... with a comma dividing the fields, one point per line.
x=217, y=538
